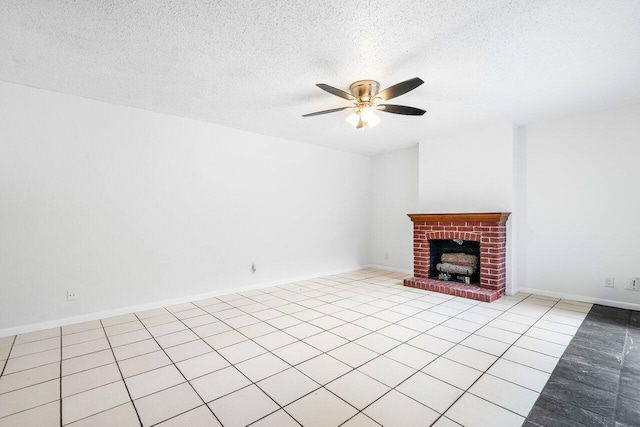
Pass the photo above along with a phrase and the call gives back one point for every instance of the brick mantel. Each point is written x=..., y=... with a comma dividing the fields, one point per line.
x=488, y=228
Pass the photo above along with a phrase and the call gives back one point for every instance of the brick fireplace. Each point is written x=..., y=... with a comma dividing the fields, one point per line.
x=489, y=229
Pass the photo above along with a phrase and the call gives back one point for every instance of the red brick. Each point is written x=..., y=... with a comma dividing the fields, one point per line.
x=492, y=238
x=445, y=224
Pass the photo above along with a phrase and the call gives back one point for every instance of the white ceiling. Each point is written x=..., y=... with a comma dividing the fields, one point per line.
x=253, y=64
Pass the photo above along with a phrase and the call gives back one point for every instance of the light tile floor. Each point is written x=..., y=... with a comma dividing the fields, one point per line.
x=356, y=349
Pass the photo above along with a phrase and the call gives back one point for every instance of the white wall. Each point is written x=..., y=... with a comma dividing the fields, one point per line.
x=467, y=172
x=516, y=239
x=394, y=180
x=129, y=207
x=583, y=206
x=472, y=172
x=570, y=184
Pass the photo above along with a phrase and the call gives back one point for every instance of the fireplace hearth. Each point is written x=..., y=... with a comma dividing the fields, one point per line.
x=449, y=242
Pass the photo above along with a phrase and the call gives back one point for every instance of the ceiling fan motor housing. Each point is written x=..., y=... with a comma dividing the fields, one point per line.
x=364, y=90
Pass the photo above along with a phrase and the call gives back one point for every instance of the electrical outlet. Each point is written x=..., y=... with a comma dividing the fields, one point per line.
x=72, y=294
x=635, y=284
x=386, y=255
x=609, y=282
x=253, y=268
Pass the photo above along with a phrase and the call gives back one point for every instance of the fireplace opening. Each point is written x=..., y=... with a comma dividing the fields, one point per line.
x=455, y=260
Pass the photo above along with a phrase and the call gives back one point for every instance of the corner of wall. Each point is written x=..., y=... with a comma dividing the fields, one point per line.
x=517, y=224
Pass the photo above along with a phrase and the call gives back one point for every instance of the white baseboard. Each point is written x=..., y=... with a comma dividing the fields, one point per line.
x=511, y=290
x=56, y=323
x=164, y=303
x=581, y=298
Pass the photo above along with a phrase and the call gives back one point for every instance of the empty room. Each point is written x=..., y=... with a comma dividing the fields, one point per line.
x=288, y=213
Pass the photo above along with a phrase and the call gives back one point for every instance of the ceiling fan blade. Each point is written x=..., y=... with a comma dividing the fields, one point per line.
x=333, y=110
x=401, y=109
x=337, y=92
x=399, y=89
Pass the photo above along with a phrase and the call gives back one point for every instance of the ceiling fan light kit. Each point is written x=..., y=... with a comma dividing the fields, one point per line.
x=366, y=99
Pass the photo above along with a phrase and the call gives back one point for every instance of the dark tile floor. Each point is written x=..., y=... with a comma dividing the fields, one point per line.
x=597, y=380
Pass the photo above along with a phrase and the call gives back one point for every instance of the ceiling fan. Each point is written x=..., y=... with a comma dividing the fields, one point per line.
x=366, y=98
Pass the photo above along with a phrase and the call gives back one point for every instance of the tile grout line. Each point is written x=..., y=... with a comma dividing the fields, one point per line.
x=267, y=351
x=121, y=376
x=177, y=369
x=72, y=345
x=291, y=366
x=280, y=407
x=416, y=370
x=35, y=352
x=442, y=355
x=350, y=341
x=189, y=328
x=318, y=294
x=28, y=409
x=358, y=411
x=496, y=361
x=154, y=338
x=571, y=402
x=400, y=343
x=6, y=362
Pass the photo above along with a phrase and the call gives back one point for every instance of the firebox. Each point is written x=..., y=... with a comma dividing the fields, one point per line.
x=455, y=260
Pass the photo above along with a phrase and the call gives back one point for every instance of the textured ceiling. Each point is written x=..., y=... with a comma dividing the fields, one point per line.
x=253, y=64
